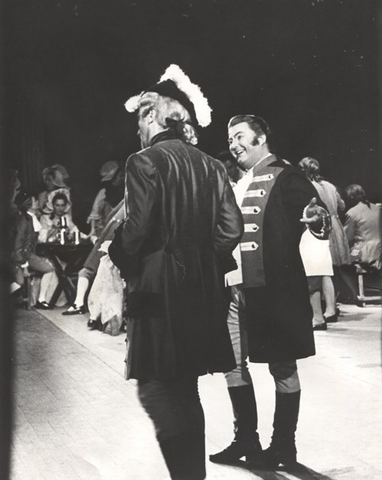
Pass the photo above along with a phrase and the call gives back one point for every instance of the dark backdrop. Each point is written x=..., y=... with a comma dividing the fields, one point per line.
x=308, y=67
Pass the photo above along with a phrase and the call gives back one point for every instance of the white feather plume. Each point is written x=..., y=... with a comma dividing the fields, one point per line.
x=193, y=92
x=132, y=103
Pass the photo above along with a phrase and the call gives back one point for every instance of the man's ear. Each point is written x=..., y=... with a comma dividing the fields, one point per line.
x=151, y=115
x=262, y=139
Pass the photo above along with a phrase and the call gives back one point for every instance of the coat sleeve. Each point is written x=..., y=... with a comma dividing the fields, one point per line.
x=350, y=227
x=19, y=254
x=141, y=183
x=230, y=226
x=340, y=203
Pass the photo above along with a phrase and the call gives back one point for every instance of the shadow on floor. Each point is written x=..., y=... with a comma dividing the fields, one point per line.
x=298, y=471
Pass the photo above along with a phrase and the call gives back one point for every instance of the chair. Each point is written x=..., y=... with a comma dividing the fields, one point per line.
x=362, y=271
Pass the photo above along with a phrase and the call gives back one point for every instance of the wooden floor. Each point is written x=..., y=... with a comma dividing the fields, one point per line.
x=77, y=418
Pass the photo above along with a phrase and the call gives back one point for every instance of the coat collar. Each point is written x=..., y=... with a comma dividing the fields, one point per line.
x=162, y=136
x=271, y=158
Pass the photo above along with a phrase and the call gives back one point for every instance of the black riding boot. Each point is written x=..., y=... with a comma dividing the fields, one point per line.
x=246, y=441
x=185, y=456
x=282, y=449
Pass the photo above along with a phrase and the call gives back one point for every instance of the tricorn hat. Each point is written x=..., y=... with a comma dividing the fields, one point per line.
x=108, y=170
x=174, y=83
x=22, y=197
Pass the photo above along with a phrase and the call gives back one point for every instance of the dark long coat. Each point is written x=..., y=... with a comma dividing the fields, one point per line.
x=276, y=291
x=25, y=239
x=182, y=227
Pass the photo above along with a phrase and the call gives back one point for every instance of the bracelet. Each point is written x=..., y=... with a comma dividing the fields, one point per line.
x=325, y=224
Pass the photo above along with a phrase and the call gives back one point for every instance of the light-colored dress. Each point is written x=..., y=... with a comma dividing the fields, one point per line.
x=315, y=255
x=106, y=298
x=339, y=247
x=50, y=227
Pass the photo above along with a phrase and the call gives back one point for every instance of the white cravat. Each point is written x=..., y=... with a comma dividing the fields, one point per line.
x=242, y=186
x=36, y=223
x=236, y=276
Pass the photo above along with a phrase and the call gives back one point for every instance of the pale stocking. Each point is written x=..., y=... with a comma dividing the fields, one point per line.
x=82, y=288
x=329, y=295
x=46, y=280
x=315, y=301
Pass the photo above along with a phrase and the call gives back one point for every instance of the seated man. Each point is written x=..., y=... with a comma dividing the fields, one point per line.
x=24, y=257
x=88, y=272
x=111, y=193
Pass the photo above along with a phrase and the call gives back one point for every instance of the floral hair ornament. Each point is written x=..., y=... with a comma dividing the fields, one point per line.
x=174, y=83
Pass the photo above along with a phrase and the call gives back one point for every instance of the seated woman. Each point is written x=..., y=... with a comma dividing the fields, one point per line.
x=54, y=177
x=24, y=257
x=58, y=219
x=106, y=297
x=363, y=227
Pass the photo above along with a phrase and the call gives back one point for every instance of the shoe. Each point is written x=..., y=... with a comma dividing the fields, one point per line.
x=320, y=326
x=331, y=319
x=282, y=449
x=95, y=325
x=74, y=310
x=274, y=456
x=234, y=452
x=42, y=306
x=246, y=440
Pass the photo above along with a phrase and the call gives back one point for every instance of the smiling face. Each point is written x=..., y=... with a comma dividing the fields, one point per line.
x=245, y=145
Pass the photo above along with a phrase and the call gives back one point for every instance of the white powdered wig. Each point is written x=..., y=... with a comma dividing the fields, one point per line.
x=132, y=103
x=193, y=92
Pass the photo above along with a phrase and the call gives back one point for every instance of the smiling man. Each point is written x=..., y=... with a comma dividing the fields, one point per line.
x=270, y=318
x=248, y=141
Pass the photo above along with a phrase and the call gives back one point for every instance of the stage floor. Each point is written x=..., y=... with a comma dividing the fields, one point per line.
x=77, y=418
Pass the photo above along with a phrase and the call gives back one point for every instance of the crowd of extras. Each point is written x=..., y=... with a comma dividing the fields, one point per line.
x=46, y=216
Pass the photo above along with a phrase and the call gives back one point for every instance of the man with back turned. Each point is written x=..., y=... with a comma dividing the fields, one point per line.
x=173, y=251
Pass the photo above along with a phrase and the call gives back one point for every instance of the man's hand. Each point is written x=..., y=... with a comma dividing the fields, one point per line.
x=312, y=213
